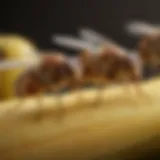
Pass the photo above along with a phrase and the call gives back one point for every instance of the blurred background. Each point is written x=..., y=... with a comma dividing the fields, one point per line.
x=39, y=20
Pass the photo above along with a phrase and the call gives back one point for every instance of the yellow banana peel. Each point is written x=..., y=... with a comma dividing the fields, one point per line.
x=16, y=48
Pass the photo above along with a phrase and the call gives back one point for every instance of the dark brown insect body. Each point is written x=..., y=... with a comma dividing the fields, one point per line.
x=53, y=73
x=121, y=68
x=92, y=70
x=110, y=66
x=149, y=50
x=149, y=44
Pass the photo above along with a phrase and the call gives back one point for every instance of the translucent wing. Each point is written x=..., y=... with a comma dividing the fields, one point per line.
x=96, y=38
x=75, y=65
x=91, y=36
x=137, y=61
x=11, y=64
x=72, y=43
x=138, y=28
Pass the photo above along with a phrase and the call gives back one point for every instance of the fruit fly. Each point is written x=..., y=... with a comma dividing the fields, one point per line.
x=149, y=44
x=104, y=61
x=54, y=72
x=113, y=50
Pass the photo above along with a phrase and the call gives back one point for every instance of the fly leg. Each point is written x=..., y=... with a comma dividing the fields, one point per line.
x=137, y=84
x=59, y=97
x=100, y=94
x=40, y=104
x=76, y=87
x=39, y=114
x=59, y=101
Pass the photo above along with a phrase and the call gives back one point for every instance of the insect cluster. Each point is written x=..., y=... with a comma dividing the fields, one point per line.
x=100, y=61
x=57, y=71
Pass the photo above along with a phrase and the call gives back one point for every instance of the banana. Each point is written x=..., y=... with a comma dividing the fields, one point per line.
x=14, y=47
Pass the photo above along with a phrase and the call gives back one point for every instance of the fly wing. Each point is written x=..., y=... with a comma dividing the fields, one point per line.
x=12, y=64
x=91, y=36
x=140, y=28
x=75, y=64
x=134, y=56
x=72, y=43
x=98, y=39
